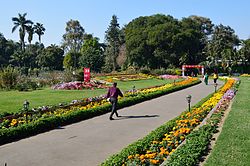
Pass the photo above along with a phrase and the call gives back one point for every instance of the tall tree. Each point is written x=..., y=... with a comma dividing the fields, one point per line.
x=112, y=37
x=92, y=54
x=244, y=54
x=51, y=58
x=245, y=50
x=149, y=41
x=3, y=57
x=68, y=61
x=30, y=30
x=192, y=39
x=7, y=48
x=73, y=39
x=74, y=36
x=39, y=30
x=204, y=24
x=21, y=22
x=223, y=38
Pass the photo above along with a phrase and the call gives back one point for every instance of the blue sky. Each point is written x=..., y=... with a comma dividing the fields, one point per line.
x=95, y=15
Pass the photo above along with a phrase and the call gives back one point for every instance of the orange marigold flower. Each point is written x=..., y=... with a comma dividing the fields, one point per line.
x=153, y=161
x=130, y=157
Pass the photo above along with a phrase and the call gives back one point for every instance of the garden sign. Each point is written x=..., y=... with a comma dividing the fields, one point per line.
x=86, y=72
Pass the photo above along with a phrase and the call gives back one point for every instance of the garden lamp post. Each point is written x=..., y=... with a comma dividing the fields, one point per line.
x=215, y=87
x=26, y=108
x=188, y=97
x=133, y=89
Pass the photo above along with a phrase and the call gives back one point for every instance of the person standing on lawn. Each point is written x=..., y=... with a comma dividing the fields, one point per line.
x=113, y=94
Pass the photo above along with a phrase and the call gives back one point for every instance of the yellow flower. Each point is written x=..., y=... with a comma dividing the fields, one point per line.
x=130, y=157
x=13, y=122
x=154, y=161
x=142, y=157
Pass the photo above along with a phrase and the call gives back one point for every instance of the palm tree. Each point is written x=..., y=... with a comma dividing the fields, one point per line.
x=23, y=23
x=39, y=30
x=30, y=31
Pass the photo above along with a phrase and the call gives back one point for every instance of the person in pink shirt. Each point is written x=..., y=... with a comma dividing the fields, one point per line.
x=113, y=94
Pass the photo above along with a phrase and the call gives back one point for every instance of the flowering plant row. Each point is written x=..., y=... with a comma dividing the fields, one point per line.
x=245, y=75
x=125, y=77
x=77, y=110
x=156, y=150
x=197, y=142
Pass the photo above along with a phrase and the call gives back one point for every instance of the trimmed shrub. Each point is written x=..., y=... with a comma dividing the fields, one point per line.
x=8, y=77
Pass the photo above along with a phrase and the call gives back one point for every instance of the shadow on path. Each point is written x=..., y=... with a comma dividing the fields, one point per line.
x=138, y=116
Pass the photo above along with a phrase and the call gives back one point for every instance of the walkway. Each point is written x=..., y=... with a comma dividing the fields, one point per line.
x=90, y=142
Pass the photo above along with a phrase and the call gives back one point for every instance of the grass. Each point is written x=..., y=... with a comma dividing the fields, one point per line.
x=233, y=144
x=11, y=101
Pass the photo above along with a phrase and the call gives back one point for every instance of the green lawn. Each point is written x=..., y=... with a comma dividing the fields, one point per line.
x=11, y=101
x=233, y=144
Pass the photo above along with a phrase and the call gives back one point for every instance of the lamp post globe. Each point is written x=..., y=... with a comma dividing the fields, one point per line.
x=26, y=105
x=188, y=97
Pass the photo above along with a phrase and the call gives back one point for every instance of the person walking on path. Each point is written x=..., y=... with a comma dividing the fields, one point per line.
x=215, y=77
x=112, y=95
x=206, y=78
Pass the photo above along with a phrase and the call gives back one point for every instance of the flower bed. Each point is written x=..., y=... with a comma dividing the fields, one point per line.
x=46, y=118
x=197, y=143
x=125, y=77
x=245, y=75
x=158, y=145
x=77, y=85
x=166, y=76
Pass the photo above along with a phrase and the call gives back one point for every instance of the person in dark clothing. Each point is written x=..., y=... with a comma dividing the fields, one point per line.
x=113, y=94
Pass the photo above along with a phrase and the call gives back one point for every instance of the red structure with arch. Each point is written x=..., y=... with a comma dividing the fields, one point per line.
x=184, y=67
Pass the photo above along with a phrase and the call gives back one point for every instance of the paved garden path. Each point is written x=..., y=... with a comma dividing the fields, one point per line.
x=90, y=142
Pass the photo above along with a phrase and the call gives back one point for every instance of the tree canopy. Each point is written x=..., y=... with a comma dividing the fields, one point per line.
x=24, y=24
x=92, y=54
x=160, y=41
x=151, y=42
x=73, y=37
x=113, y=42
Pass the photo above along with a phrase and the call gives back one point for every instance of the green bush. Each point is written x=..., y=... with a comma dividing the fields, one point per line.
x=52, y=77
x=131, y=70
x=25, y=84
x=160, y=71
x=173, y=71
x=144, y=70
x=170, y=71
x=79, y=75
x=8, y=77
x=67, y=76
x=22, y=86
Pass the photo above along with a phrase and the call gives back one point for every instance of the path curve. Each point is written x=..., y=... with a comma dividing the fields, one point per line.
x=92, y=141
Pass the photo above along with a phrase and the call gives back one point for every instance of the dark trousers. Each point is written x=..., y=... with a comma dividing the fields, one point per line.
x=215, y=80
x=113, y=101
